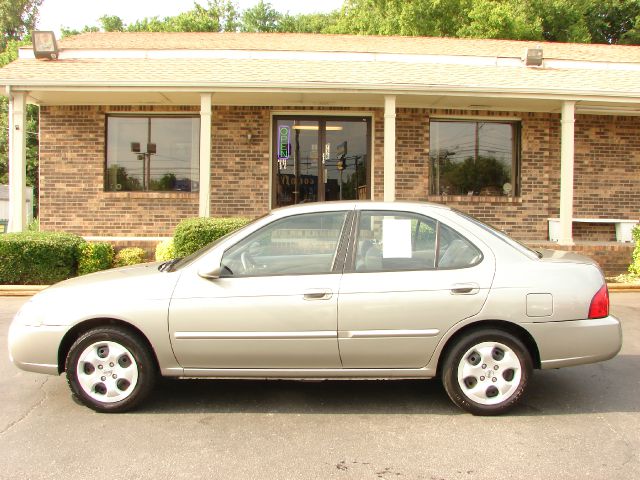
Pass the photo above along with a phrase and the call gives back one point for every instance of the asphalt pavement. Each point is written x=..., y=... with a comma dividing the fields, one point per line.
x=575, y=423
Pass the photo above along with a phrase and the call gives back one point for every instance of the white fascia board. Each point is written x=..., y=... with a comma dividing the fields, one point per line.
x=287, y=55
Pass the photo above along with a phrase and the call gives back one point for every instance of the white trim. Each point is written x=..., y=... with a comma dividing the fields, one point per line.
x=289, y=55
x=487, y=118
x=389, y=148
x=204, y=189
x=17, y=162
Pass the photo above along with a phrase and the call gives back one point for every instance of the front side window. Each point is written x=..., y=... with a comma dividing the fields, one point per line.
x=299, y=245
x=147, y=153
x=474, y=158
x=399, y=241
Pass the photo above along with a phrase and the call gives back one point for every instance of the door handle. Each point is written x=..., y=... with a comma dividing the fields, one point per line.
x=318, y=294
x=465, y=289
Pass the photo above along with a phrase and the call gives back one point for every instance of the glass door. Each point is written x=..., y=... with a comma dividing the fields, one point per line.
x=320, y=159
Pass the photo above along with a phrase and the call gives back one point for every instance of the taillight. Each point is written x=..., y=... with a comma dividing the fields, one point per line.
x=599, y=307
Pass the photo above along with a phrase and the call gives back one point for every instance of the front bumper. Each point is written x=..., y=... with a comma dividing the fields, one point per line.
x=35, y=348
x=576, y=342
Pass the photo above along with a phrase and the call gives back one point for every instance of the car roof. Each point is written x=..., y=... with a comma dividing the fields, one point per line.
x=355, y=205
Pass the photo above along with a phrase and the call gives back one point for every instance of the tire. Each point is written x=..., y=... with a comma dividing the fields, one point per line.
x=109, y=369
x=487, y=371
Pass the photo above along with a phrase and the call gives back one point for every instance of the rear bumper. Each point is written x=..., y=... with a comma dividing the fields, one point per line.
x=35, y=348
x=576, y=342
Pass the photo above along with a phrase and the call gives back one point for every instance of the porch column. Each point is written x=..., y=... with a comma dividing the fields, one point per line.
x=566, y=172
x=389, y=148
x=17, y=162
x=204, y=209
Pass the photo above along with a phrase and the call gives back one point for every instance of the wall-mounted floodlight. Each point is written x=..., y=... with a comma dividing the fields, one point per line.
x=533, y=57
x=44, y=45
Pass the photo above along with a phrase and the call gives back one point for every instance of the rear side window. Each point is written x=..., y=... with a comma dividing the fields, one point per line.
x=455, y=251
x=397, y=241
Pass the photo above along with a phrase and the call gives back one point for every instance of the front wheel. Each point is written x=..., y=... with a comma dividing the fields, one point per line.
x=486, y=372
x=109, y=369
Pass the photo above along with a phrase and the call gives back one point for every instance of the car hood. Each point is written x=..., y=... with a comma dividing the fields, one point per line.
x=123, y=274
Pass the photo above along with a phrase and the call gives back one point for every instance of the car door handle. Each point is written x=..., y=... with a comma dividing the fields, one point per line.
x=318, y=294
x=465, y=289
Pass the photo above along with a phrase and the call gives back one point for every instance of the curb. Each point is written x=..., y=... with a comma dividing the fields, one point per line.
x=29, y=290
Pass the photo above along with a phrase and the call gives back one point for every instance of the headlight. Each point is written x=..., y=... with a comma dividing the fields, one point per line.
x=30, y=314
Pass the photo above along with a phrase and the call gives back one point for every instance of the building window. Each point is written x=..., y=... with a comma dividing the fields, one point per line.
x=474, y=158
x=152, y=153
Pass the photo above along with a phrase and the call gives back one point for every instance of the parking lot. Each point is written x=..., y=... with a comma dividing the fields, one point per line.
x=581, y=422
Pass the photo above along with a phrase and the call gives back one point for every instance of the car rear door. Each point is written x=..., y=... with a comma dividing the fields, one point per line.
x=410, y=279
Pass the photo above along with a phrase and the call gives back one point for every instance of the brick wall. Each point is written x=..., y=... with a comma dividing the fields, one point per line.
x=72, y=195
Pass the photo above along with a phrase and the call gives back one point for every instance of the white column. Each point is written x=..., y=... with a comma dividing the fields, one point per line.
x=389, y=148
x=17, y=162
x=566, y=172
x=205, y=155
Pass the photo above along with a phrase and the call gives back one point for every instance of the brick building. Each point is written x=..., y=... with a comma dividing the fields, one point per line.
x=141, y=130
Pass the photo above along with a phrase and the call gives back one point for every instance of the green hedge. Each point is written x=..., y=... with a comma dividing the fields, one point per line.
x=634, y=268
x=192, y=234
x=38, y=258
x=129, y=256
x=95, y=257
x=165, y=250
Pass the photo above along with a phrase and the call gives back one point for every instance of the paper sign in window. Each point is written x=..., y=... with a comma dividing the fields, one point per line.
x=396, y=238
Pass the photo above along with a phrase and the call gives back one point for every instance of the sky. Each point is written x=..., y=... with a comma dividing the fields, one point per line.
x=75, y=14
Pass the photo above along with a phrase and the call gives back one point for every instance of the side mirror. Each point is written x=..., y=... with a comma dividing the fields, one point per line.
x=210, y=274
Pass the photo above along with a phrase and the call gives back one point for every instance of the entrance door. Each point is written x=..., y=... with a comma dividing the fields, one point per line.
x=320, y=159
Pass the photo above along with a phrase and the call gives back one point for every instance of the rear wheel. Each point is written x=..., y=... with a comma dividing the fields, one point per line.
x=109, y=369
x=487, y=371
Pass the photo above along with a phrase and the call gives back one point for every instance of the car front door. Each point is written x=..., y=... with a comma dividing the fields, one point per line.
x=411, y=278
x=274, y=304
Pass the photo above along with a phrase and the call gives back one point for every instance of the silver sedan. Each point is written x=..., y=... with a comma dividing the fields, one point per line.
x=332, y=290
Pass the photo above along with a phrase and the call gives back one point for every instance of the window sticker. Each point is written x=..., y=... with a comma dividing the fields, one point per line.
x=396, y=238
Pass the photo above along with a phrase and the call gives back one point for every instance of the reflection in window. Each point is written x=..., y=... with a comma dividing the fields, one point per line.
x=473, y=158
x=152, y=153
x=303, y=244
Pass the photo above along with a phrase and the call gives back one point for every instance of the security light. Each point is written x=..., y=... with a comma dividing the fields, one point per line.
x=44, y=45
x=533, y=57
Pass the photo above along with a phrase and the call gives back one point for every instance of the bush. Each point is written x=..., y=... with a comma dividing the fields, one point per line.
x=129, y=256
x=38, y=258
x=634, y=268
x=194, y=233
x=165, y=250
x=95, y=257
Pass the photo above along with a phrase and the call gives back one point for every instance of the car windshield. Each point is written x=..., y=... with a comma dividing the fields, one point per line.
x=501, y=235
x=178, y=263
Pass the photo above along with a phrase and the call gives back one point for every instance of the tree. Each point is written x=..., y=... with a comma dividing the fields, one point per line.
x=260, y=18
x=613, y=21
x=218, y=16
x=512, y=19
x=17, y=19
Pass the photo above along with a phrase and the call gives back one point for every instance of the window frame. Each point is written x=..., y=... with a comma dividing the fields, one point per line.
x=516, y=161
x=148, y=116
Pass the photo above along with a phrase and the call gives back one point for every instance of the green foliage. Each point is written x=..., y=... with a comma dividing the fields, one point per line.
x=165, y=250
x=194, y=233
x=634, y=268
x=38, y=258
x=507, y=19
x=17, y=19
x=260, y=18
x=95, y=257
x=129, y=256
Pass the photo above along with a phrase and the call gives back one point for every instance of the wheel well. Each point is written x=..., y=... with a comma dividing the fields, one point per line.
x=80, y=329
x=512, y=328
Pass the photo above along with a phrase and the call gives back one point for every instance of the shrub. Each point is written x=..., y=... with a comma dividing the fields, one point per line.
x=38, y=258
x=165, y=250
x=130, y=256
x=634, y=268
x=95, y=257
x=194, y=233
